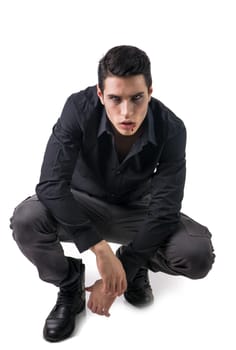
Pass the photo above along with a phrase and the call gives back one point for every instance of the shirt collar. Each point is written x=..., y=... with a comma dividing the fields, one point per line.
x=151, y=137
x=104, y=125
x=148, y=135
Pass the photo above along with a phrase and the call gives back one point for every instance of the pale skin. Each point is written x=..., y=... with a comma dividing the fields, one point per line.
x=126, y=102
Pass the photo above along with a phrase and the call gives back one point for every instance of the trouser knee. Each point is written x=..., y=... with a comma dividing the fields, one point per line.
x=199, y=261
x=21, y=223
x=193, y=254
x=29, y=222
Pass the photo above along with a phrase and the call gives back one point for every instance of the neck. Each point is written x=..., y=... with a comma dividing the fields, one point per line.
x=123, y=144
x=127, y=139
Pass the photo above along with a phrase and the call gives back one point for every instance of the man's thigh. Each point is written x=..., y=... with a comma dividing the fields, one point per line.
x=127, y=219
x=187, y=252
x=115, y=223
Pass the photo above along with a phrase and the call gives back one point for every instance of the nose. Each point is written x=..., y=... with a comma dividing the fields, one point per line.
x=126, y=109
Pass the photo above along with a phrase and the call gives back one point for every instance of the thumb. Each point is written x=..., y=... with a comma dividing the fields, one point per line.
x=89, y=289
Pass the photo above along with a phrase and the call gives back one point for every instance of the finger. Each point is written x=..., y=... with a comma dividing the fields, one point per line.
x=90, y=304
x=124, y=285
x=107, y=314
x=107, y=286
x=107, y=305
x=113, y=291
x=115, y=288
x=100, y=311
x=106, y=311
x=119, y=289
x=94, y=308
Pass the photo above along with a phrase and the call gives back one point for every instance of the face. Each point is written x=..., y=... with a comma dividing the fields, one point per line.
x=126, y=102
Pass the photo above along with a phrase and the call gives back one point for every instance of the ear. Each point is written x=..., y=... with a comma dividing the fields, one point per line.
x=150, y=90
x=100, y=95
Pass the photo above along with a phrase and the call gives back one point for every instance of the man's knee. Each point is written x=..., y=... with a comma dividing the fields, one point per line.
x=21, y=223
x=199, y=259
x=24, y=222
x=195, y=247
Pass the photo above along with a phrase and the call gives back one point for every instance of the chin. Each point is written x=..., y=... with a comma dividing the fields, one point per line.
x=127, y=133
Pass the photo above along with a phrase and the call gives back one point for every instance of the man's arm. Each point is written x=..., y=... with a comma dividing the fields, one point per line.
x=54, y=188
x=110, y=269
x=54, y=191
x=113, y=283
x=164, y=210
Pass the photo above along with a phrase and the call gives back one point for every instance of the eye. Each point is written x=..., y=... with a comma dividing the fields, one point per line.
x=137, y=98
x=115, y=99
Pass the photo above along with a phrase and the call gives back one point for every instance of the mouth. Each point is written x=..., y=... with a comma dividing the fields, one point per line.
x=127, y=125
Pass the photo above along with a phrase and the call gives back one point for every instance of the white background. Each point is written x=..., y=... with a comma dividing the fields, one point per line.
x=50, y=49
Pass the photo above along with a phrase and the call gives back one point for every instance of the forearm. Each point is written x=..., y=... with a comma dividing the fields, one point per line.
x=101, y=248
x=140, y=251
x=110, y=269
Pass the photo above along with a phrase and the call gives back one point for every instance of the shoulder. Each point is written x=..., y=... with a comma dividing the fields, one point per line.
x=86, y=100
x=83, y=109
x=165, y=119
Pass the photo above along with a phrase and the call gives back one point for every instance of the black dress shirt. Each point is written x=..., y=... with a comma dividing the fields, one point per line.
x=80, y=155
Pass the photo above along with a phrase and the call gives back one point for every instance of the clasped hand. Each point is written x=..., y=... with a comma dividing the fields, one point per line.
x=112, y=283
x=99, y=302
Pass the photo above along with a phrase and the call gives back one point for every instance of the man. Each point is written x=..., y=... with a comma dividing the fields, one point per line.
x=113, y=171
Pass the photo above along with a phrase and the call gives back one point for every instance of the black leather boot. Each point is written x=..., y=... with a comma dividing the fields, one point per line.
x=139, y=291
x=60, y=323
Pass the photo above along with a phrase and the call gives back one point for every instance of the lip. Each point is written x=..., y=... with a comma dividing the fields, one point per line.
x=127, y=125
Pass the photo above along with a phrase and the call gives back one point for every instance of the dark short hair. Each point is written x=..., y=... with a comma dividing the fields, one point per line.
x=124, y=61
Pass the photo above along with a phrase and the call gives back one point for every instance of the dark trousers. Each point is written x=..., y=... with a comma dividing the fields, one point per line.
x=187, y=252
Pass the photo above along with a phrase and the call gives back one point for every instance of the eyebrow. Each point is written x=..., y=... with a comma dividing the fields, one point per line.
x=138, y=93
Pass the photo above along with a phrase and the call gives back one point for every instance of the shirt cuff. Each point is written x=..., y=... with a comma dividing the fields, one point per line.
x=84, y=237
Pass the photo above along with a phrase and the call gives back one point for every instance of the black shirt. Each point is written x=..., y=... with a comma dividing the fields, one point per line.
x=80, y=154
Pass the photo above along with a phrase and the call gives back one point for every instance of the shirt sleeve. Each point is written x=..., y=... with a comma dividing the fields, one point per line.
x=54, y=187
x=164, y=210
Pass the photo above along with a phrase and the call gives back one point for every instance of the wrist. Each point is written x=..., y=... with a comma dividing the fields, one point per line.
x=100, y=248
